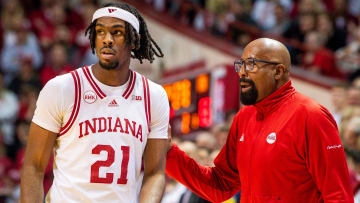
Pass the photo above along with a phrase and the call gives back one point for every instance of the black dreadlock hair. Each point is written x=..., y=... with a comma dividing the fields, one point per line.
x=143, y=43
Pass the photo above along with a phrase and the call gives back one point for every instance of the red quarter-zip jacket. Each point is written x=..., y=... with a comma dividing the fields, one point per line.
x=285, y=148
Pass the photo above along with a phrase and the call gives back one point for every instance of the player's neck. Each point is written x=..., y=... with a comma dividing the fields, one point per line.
x=115, y=77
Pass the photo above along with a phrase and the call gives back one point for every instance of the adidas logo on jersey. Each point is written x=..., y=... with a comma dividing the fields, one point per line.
x=113, y=103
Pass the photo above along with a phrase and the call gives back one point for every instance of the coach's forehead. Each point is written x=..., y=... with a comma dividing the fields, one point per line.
x=268, y=49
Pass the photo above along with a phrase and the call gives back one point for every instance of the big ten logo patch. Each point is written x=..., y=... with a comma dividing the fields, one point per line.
x=90, y=97
x=137, y=98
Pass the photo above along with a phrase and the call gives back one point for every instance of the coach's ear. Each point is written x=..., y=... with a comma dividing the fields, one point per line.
x=279, y=71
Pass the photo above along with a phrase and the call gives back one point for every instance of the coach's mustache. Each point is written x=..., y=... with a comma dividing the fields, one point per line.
x=243, y=79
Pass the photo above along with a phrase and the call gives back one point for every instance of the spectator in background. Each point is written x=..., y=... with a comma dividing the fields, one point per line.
x=81, y=40
x=353, y=98
x=220, y=133
x=318, y=58
x=306, y=6
x=352, y=107
x=205, y=140
x=219, y=24
x=353, y=7
x=64, y=36
x=339, y=99
x=200, y=20
x=25, y=77
x=47, y=20
x=356, y=82
x=282, y=21
x=41, y=21
x=264, y=12
x=10, y=10
x=241, y=14
x=352, y=134
x=341, y=15
x=297, y=30
x=334, y=37
x=348, y=57
x=8, y=115
x=6, y=183
x=25, y=47
x=57, y=65
x=174, y=7
x=27, y=102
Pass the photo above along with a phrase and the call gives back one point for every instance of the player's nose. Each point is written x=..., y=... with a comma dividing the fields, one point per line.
x=108, y=40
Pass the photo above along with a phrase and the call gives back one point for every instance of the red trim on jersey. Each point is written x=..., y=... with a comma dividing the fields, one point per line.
x=148, y=93
x=92, y=82
x=131, y=86
x=87, y=69
x=76, y=108
x=128, y=87
x=146, y=100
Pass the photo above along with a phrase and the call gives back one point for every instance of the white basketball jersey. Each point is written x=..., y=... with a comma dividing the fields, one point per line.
x=98, y=153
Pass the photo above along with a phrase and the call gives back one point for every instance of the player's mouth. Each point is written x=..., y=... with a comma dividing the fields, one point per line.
x=107, y=54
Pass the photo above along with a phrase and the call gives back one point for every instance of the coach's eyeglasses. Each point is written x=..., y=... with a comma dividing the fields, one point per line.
x=249, y=64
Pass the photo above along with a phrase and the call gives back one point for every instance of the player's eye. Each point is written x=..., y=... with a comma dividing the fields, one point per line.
x=99, y=31
x=117, y=32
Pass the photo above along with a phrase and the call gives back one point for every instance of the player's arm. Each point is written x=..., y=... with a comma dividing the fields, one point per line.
x=325, y=158
x=156, y=147
x=154, y=170
x=44, y=128
x=215, y=184
x=38, y=151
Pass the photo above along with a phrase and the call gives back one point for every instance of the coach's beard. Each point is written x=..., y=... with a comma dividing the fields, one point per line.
x=249, y=97
x=110, y=65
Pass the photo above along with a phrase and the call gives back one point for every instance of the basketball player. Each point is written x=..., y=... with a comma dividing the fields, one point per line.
x=102, y=120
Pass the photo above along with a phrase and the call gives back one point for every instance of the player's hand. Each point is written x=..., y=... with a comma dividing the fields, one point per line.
x=169, y=137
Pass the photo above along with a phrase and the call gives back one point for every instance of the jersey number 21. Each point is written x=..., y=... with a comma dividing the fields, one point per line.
x=94, y=178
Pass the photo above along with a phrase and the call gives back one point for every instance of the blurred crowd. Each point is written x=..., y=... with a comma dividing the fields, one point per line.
x=40, y=39
x=323, y=36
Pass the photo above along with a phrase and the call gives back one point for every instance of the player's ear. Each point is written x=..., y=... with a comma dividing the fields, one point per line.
x=133, y=46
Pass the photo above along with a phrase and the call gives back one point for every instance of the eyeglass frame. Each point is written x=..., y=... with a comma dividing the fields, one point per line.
x=242, y=61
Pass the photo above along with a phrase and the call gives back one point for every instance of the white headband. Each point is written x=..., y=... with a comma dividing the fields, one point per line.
x=117, y=13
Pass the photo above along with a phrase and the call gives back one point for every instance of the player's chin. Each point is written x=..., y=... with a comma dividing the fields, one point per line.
x=108, y=65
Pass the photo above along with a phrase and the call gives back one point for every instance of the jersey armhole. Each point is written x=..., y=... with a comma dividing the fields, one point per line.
x=147, y=101
x=76, y=107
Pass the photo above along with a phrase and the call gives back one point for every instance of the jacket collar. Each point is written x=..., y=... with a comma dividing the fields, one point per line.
x=274, y=100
